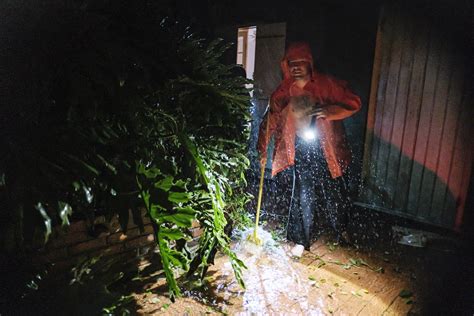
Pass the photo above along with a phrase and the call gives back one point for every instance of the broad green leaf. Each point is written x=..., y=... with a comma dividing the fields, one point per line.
x=166, y=259
x=179, y=219
x=180, y=184
x=65, y=210
x=46, y=221
x=191, y=147
x=156, y=211
x=165, y=184
x=354, y=262
x=186, y=210
x=172, y=233
x=150, y=173
x=107, y=164
x=178, y=259
x=179, y=197
x=88, y=193
x=85, y=164
x=76, y=185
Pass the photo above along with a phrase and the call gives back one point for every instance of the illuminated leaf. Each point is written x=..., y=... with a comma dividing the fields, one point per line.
x=179, y=197
x=165, y=184
x=172, y=234
x=46, y=221
x=65, y=210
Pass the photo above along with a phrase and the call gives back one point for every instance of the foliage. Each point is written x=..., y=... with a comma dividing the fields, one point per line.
x=135, y=111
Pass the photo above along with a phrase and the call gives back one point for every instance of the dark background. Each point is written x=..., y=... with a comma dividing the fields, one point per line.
x=341, y=34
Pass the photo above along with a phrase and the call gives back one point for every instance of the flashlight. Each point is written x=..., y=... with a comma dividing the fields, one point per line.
x=309, y=133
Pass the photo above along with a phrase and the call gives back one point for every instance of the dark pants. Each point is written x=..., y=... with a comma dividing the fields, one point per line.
x=315, y=196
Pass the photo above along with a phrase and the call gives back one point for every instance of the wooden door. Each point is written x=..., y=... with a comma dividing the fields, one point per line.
x=269, y=50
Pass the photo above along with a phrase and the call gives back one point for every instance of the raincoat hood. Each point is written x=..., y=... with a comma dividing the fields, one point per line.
x=299, y=51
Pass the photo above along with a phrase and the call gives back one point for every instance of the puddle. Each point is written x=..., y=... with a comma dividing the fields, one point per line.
x=277, y=284
x=273, y=283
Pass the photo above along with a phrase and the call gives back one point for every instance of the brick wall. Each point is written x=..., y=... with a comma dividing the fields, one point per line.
x=67, y=247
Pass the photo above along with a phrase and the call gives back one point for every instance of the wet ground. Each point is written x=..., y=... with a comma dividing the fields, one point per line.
x=390, y=279
x=376, y=277
x=327, y=280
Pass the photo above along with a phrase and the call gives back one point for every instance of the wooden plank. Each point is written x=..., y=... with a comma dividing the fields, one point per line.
x=374, y=84
x=435, y=134
x=423, y=128
x=414, y=101
x=469, y=156
x=389, y=112
x=462, y=157
x=375, y=194
x=447, y=142
x=466, y=178
x=371, y=193
x=401, y=103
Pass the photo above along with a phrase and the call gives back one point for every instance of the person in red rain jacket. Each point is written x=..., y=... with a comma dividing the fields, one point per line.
x=306, y=99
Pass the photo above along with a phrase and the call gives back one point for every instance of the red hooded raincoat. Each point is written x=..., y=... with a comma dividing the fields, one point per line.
x=332, y=94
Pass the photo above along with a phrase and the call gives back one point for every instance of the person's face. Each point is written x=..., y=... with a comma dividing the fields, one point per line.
x=299, y=69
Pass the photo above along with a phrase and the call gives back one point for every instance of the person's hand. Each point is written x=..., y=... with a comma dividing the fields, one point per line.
x=319, y=112
x=263, y=161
